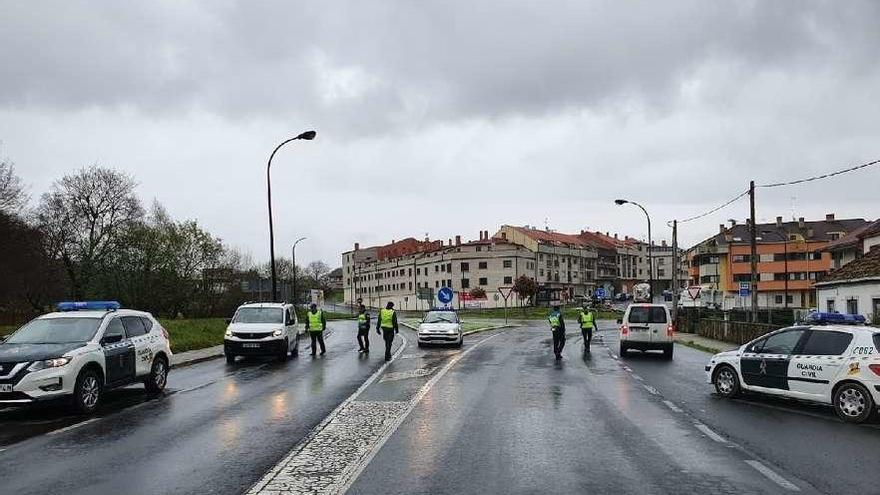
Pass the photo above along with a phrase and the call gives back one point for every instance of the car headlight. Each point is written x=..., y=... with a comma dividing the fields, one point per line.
x=49, y=363
x=277, y=333
x=229, y=333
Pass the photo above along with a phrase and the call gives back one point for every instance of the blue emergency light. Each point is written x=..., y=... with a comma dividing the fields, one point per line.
x=821, y=318
x=88, y=305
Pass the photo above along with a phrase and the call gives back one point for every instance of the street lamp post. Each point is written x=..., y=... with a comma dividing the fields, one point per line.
x=621, y=202
x=308, y=136
x=293, y=260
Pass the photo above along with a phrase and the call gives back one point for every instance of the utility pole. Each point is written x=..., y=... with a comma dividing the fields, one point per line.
x=675, y=268
x=753, y=239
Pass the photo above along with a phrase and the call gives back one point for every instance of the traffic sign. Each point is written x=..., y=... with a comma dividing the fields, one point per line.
x=426, y=293
x=445, y=295
x=600, y=292
x=745, y=289
x=505, y=292
x=694, y=292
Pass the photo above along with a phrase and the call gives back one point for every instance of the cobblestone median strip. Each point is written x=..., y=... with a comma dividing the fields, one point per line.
x=320, y=465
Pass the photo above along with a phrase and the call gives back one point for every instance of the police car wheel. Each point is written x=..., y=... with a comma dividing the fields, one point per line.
x=87, y=392
x=853, y=403
x=726, y=382
x=295, y=352
x=285, y=351
x=158, y=377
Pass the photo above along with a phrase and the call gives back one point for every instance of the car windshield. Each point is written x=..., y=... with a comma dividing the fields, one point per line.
x=259, y=315
x=441, y=317
x=56, y=331
x=877, y=341
x=647, y=314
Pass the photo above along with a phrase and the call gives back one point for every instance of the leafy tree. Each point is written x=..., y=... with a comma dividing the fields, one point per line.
x=30, y=280
x=12, y=192
x=478, y=293
x=525, y=288
x=83, y=218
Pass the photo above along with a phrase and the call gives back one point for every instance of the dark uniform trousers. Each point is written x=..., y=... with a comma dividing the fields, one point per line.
x=319, y=337
x=558, y=340
x=388, y=335
x=588, y=336
x=364, y=338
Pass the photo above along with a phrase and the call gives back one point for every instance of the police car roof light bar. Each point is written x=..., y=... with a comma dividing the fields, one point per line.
x=88, y=305
x=822, y=318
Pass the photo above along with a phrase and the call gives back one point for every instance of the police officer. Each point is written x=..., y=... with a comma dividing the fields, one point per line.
x=386, y=326
x=316, y=323
x=588, y=323
x=557, y=326
x=363, y=329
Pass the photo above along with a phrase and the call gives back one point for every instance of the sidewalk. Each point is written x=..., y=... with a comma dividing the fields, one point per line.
x=196, y=356
x=703, y=343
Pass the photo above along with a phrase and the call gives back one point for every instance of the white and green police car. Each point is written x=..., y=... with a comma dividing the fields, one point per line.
x=825, y=361
x=80, y=351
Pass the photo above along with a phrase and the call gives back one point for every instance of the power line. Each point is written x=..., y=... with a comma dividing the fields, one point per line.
x=713, y=210
x=823, y=176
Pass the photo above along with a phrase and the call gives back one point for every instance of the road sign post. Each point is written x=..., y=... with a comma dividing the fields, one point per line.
x=505, y=293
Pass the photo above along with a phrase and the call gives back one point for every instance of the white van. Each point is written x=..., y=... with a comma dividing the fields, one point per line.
x=647, y=327
x=262, y=329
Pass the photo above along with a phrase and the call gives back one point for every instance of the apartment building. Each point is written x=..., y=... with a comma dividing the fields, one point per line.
x=790, y=260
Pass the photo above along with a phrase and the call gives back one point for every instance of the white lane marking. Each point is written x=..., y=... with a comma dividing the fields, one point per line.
x=613, y=356
x=2, y=450
x=709, y=433
x=672, y=406
x=268, y=477
x=637, y=377
x=773, y=476
x=73, y=426
x=412, y=404
x=651, y=389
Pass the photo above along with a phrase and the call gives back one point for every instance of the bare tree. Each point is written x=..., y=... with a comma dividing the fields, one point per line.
x=83, y=216
x=12, y=192
x=316, y=271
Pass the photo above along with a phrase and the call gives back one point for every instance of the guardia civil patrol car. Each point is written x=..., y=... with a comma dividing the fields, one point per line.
x=830, y=359
x=80, y=351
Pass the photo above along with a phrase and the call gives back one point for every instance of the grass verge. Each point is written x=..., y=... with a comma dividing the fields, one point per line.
x=699, y=347
x=7, y=329
x=195, y=333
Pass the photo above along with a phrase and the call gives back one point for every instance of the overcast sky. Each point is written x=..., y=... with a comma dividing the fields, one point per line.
x=447, y=117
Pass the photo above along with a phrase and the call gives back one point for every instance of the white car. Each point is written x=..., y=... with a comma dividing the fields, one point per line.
x=646, y=327
x=80, y=351
x=440, y=327
x=829, y=364
x=262, y=329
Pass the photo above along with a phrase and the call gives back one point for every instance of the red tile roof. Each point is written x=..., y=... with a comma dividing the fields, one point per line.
x=868, y=266
x=548, y=237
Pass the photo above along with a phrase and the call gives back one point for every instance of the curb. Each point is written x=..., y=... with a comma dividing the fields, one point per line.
x=218, y=352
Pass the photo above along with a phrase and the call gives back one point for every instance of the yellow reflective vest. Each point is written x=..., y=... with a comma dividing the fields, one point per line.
x=554, y=320
x=386, y=318
x=315, y=323
x=587, y=319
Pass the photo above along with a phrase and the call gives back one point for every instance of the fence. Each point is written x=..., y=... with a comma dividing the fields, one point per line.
x=730, y=326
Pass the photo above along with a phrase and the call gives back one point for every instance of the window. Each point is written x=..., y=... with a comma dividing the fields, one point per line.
x=541, y=272
x=442, y=283
x=742, y=258
x=826, y=343
x=465, y=283
x=437, y=283
x=148, y=324
x=436, y=268
x=449, y=283
x=449, y=267
x=443, y=268
x=780, y=343
x=465, y=267
x=742, y=277
x=115, y=328
x=647, y=314
x=483, y=265
x=410, y=272
x=479, y=249
x=661, y=272
x=133, y=326
x=484, y=281
x=508, y=280
x=778, y=299
x=830, y=305
x=852, y=306
x=508, y=264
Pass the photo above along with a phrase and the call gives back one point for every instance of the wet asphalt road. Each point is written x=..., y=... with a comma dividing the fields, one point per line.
x=505, y=417
x=217, y=429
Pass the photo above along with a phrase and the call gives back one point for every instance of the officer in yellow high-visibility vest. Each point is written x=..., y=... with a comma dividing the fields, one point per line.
x=557, y=326
x=588, y=323
x=316, y=323
x=363, y=329
x=386, y=325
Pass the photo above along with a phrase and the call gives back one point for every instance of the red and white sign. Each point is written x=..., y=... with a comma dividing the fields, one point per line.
x=694, y=291
x=505, y=292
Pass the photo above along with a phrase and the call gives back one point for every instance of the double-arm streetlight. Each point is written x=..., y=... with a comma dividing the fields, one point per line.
x=621, y=202
x=308, y=136
x=293, y=260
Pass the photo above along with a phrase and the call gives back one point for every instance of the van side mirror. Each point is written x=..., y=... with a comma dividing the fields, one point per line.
x=619, y=321
x=228, y=320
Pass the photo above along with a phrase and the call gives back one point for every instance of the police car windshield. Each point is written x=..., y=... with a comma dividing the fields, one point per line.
x=259, y=315
x=56, y=331
x=440, y=317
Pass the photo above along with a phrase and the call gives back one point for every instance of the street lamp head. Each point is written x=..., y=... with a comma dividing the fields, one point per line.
x=308, y=135
x=620, y=202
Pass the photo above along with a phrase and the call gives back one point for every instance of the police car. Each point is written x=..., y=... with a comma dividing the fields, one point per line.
x=262, y=329
x=830, y=359
x=80, y=351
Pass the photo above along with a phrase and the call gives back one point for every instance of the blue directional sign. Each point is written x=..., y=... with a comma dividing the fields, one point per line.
x=445, y=295
x=600, y=293
x=745, y=289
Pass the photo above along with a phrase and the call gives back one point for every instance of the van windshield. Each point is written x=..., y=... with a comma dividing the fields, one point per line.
x=647, y=314
x=259, y=315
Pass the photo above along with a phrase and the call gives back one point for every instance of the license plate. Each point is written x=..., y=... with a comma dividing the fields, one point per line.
x=5, y=387
x=251, y=346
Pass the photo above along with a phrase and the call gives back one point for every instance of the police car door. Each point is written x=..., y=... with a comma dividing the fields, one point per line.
x=765, y=363
x=817, y=362
x=118, y=353
x=137, y=333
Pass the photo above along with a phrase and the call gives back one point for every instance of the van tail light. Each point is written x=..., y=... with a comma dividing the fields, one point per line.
x=875, y=368
x=670, y=331
x=624, y=330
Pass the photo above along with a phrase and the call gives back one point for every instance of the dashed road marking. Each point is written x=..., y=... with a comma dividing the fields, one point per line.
x=709, y=433
x=672, y=406
x=73, y=426
x=773, y=475
x=403, y=375
x=637, y=377
x=651, y=389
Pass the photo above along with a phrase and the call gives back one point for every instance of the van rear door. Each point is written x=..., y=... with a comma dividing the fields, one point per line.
x=647, y=323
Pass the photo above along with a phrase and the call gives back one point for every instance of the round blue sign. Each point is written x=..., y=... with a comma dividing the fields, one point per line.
x=445, y=295
x=600, y=292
